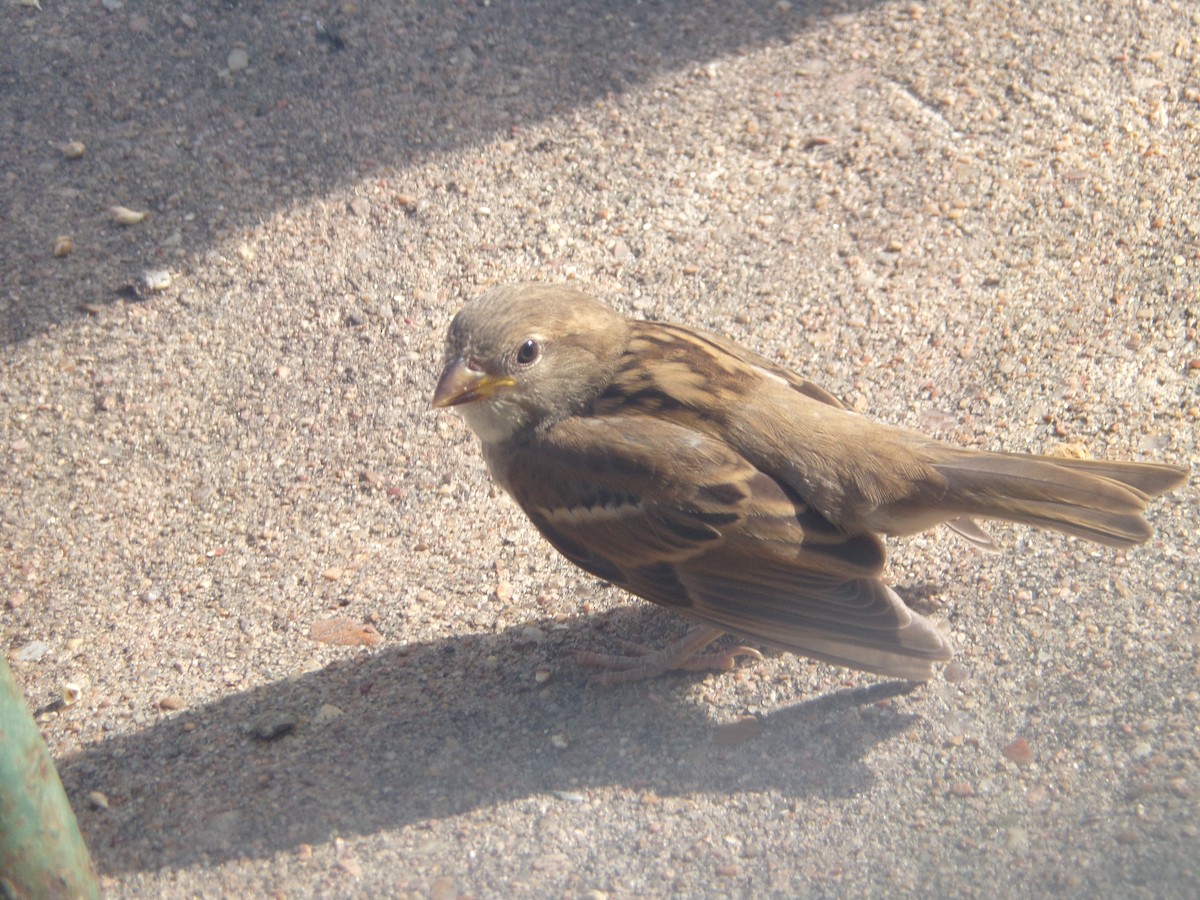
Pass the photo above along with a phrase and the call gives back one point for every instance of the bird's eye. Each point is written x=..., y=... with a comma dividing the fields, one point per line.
x=528, y=352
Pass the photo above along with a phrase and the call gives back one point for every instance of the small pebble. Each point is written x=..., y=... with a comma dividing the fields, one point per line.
x=73, y=149
x=32, y=652
x=272, y=726
x=351, y=865
x=343, y=631
x=123, y=215
x=1018, y=839
x=156, y=279
x=98, y=799
x=238, y=60
x=740, y=731
x=530, y=633
x=327, y=713
x=63, y=245
x=1019, y=752
x=956, y=673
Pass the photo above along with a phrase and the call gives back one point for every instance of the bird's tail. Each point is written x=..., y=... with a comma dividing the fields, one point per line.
x=1095, y=499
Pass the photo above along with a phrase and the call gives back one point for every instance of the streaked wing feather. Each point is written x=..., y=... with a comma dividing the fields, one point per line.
x=859, y=622
x=765, y=366
x=973, y=533
x=717, y=540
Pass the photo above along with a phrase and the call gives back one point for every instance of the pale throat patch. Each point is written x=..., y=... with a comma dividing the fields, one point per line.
x=493, y=421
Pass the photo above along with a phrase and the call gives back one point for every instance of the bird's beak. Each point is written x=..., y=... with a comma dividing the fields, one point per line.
x=462, y=384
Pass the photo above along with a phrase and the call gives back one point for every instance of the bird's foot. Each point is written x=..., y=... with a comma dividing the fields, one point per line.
x=636, y=661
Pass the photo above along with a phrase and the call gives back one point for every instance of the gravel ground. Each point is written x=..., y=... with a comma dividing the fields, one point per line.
x=316, y=652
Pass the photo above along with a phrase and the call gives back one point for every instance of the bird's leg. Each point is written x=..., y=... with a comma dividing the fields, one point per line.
x=638, y=662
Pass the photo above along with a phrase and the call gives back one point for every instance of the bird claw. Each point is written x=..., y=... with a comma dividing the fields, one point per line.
x=720, y=662
x=636, y=661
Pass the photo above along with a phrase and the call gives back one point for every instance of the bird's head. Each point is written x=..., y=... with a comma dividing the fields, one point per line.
x=527, y=354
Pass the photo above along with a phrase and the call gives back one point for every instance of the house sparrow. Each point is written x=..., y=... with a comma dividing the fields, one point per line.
x=703, y=477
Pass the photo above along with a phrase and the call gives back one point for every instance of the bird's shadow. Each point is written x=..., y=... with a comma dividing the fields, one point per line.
x=432, y=730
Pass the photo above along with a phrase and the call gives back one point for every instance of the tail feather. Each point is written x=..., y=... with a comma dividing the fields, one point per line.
x=1098, y=500
x=868, y=658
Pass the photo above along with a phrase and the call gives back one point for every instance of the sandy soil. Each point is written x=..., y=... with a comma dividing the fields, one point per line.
x=980, y=220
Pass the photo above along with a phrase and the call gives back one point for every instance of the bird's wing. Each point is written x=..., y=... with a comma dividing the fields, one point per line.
x=843, y=465
x=766, y=367
x=680, y=518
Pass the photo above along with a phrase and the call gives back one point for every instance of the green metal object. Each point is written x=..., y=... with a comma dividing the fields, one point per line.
x=42, y=853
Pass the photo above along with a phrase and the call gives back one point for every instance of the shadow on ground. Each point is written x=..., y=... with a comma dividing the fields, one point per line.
x=434, y=730
x=327, y=98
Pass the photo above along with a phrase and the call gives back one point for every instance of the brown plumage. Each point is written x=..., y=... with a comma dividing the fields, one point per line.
x=703, y=477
